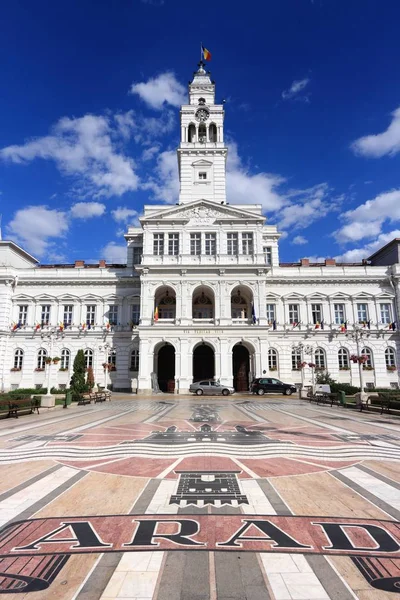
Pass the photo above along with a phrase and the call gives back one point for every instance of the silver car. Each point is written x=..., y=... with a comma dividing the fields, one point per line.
x=210, y=387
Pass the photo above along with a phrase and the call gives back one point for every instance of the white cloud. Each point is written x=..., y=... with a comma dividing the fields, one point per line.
x=242, y=187
x=357, y=254
x=114, y=253
x=83, y=148
x=87, y=210
x=160, y=90
x=125, y=123
x=165, y=184
x=299, y=240
x=376, y=146
x=294, y=92
x=36, y=227
x=149, y=153
x=303, y=207
x=366, y=220
x=122, y=214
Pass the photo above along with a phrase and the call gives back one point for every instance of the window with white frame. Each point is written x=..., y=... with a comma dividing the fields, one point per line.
x=362, y=313
x=22, y=314
x=268, y=255
x=247, y=243
x=68, y=314
x=343, y=359
x=316, y=313
x=368, y=364
x=271, y=312
x=233, y=244
x=112, y=357
x=135, y=313
x=45, y=314
x=320, y=358
x=88, y=354
x=294, y=314
x=65, y=358
x=137, y=255
x=173, y=244
x=211, y=244
x=90, y=314
x=134, y=366
x=272, y=359
x=158, y=244
x=296, y=359
x=41, y=358
x=385, y=313
x=113, y=314
x=338, y=314
x=195, y=244
x=18, y=359
x=390, y=359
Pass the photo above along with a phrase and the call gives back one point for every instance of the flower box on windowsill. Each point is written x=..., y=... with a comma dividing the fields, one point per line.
x=366, y=368
x=273, y=368
x=37, y=369
x=15, y=369
x=63, y=369
x=320, y=368
x=344, y=368
x=392, y=368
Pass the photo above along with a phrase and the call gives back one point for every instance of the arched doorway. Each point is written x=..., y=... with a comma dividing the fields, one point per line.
x=240, y=368
x=203, y=363
x=166, y=368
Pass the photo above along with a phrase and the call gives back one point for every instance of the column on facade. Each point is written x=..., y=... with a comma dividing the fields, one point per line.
x=225, y=362
x=261, y=312
x=183, y=379
x=145, y=367
x=225, y=304
x=146, y=302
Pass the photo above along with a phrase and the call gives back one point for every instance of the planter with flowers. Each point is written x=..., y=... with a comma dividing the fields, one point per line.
x=48, y=361
x=63, y=369
x=56, y=359
x=391, y=368
x=39, y=369
x=15, y=369
x=344, y=368
x=109, y=367
x=368, y=368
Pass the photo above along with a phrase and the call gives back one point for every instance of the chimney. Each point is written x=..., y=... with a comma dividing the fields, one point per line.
x=102, y=263
x=330, y=262
x=79, y=264
x=305, y=262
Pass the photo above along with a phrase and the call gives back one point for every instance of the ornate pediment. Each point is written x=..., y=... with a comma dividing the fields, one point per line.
x=203, y=212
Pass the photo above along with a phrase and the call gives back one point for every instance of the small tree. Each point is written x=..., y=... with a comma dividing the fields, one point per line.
x=90, y=378
x=325, y=378
x=78, y=384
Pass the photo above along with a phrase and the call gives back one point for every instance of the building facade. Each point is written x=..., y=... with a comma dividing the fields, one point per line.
x=202, y=295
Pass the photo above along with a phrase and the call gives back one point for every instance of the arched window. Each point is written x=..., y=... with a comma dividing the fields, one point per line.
x=320, y=359
x=88, y=354
x=344, y=359
x=41, y=358
x=65, y=358
x=272, y=359
x=134, y=360
x=202, y=133
x=213, y=132
x=202, y=307
x=192, y=133
x=390, y=359
x=296, y=359
x=239, y=306
x=112, y=358
x=18, y=358
x=368, y=364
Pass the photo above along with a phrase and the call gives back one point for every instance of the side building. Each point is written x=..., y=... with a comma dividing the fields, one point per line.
x=202, y=295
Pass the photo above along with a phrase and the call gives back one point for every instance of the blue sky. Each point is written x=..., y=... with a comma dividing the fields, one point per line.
x=89, y=110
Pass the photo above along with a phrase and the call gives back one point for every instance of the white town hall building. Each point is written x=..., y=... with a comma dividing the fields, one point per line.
x=202, y=294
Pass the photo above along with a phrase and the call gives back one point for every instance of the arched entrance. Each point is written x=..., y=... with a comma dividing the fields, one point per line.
x=240, y=368
x=165, y=368
x=203, y=363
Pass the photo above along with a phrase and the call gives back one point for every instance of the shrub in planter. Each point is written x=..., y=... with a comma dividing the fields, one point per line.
x=348, y=389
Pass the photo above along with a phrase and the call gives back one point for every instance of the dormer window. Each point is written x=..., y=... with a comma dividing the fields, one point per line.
x=203, y=176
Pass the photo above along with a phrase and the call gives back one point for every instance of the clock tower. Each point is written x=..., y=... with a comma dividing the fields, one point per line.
x=202, y=152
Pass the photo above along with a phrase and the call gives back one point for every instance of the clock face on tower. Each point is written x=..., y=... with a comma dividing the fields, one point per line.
x=202, y=114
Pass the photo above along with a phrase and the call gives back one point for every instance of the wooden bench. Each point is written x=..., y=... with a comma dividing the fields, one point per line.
x=84, y=399
x=387, y=401
x=13, y=406
x=95, y=397
x=324, y=398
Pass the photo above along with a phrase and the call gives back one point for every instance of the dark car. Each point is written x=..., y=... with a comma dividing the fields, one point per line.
x=266, y=385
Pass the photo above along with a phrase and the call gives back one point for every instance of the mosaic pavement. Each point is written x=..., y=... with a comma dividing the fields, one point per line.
x=200, y=499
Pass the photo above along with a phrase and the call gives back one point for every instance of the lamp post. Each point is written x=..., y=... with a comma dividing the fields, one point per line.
x=48, y=399
x=106, y=349
x=357, y=335
x=305, y=349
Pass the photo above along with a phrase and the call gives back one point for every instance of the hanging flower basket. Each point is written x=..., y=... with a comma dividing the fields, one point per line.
x=312, y=365
x=48, y=361
x=56, y=359
x=109, y=367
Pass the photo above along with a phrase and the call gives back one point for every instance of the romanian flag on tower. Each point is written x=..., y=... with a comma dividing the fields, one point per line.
x=206, y=53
